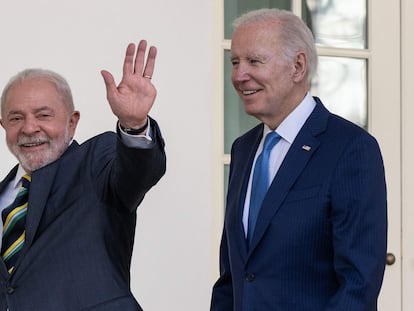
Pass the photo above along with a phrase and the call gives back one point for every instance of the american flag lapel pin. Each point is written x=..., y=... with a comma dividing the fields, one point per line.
x=306, y=147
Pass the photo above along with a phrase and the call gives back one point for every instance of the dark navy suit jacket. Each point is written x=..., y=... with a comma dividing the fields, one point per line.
x=80, y=228
x=320, y=239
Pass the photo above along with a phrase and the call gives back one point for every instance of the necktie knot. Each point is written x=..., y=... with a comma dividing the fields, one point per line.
x=271, y=140
x=26, y=179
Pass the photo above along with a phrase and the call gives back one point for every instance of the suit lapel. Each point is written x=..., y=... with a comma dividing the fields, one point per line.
x=42, y=182
x=9, y=177
x=242, y=166
x=302, y=149
x=40, y=188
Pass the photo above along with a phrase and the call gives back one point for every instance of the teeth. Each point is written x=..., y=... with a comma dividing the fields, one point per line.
x=32, y=144
x=249, y=92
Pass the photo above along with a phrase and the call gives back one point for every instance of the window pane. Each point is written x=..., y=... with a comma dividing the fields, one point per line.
x=341, y=84
x=236, y=121
x=337, y=23
x=234, y=8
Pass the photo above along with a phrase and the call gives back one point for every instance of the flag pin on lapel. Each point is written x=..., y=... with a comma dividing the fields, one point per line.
x=306, y=147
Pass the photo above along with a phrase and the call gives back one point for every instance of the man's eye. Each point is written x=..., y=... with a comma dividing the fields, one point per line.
x=254, y=61
x=234, y=62
x=15, y=119
x=43, y=116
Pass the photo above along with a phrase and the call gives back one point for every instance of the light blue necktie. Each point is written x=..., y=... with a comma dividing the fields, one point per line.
x=260, y=182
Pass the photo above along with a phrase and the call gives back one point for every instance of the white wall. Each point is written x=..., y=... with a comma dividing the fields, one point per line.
x=172, y=264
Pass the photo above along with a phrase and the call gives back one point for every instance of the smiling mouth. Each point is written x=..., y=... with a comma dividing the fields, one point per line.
x=28, y=145
x=250, y=92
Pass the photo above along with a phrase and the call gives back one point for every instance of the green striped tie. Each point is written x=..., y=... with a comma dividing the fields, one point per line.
x=14, y=222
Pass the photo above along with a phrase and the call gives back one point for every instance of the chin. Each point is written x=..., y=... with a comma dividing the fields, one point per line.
x=252, y=110
x=33, y=162
x=33, y=165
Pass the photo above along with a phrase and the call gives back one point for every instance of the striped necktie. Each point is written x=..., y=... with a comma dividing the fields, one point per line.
x=14, y=222
x=260, y=182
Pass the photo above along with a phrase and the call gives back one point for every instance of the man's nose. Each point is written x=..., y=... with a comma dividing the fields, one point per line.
x=240, y=73
x=30, y=125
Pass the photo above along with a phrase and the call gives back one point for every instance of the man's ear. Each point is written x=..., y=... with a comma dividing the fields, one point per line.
x=73, y=122
x=300, y=67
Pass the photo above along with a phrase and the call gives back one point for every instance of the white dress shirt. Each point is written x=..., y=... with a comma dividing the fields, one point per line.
x=287, y=130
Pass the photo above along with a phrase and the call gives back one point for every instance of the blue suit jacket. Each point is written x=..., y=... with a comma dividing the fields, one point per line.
x=80, y=228
x=320, y=239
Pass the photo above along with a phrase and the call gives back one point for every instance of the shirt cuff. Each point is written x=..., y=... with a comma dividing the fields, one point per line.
x=137, y=141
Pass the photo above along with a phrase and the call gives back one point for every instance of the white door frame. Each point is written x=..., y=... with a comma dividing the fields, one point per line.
x=407, y=126
x=385, y=125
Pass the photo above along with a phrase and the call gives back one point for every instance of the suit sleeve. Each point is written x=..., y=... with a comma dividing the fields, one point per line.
x=359, y=220
x=134, y=171
x=222, y=297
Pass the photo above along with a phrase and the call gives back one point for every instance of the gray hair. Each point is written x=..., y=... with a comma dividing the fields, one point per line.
x=294, y=33
x=60, y=83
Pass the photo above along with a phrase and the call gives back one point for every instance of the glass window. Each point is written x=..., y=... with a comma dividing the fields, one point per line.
x=341, y=83
x=337, y=23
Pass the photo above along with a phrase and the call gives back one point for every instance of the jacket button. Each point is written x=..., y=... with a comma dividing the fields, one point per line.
x=9, y=290
x=249, y=277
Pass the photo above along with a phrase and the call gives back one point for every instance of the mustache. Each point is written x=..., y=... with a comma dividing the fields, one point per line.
x=23, y=140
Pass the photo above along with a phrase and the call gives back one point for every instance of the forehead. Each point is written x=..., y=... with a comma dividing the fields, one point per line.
x=31, y=84
x=256, y=38
x=31, y=92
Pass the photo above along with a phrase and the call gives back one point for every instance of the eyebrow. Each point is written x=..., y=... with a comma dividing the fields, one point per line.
x=252, y=55
x=43, y=108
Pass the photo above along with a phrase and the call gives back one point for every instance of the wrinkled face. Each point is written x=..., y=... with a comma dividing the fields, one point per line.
x=262, y=75
x=38, y=124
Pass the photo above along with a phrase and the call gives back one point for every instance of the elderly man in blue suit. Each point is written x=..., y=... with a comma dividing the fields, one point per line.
x=75, y=221
x=306, y=219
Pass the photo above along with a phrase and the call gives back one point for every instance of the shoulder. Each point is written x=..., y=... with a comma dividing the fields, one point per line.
x=348, y=131
x=105, y=136
x=101, y=145
x=323, y=122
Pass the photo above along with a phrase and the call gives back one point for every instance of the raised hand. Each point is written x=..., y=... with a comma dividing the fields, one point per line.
x=133, y=98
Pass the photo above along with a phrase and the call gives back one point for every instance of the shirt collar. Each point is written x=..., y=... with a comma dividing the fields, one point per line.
x=291, y=125
x=19, y=174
